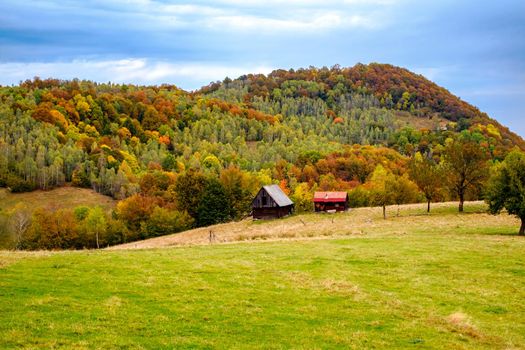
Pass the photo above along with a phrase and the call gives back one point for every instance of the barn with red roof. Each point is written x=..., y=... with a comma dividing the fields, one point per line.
x=331, y=201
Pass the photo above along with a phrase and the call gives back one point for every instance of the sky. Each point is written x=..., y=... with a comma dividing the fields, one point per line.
x=474, y=48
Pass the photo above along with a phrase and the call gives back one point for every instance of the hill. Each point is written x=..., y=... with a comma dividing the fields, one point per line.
x=393, y=286
x=63, y=198
x=177, y=160
x=338, y=89
x=59, y=198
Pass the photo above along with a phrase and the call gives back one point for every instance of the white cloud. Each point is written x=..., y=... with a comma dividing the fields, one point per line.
x=304, y=3
x=314, y=22
x=133, y=70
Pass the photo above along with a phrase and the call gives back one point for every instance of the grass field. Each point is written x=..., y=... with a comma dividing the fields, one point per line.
x=459, y=288
x=413, y=218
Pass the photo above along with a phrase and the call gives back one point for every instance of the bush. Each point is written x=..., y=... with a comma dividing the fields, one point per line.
x=17, y=185
x=164, y=221
x=358, y=197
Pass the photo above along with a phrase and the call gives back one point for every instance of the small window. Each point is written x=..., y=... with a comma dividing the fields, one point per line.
x=264, y=200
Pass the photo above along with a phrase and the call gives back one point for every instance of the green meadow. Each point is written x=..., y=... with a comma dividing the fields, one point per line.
x=453, y=290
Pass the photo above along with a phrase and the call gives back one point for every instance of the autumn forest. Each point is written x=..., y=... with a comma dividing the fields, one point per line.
x=175, y=159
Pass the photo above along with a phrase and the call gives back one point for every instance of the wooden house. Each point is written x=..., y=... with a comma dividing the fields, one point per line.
x=271, y=202
x=331, y=201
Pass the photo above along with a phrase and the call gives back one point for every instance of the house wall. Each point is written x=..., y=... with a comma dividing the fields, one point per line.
x=325, y=206
x=271, y=212
x=258, y=201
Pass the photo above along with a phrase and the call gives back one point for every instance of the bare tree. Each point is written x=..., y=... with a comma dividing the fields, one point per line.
x=19, y=222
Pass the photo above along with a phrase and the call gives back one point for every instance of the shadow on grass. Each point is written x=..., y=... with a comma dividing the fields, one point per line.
x=496, y=231
x=450, y=210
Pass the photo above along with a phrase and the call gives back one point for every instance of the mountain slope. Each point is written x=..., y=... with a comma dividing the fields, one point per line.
x=179, y=160
x=392, y=87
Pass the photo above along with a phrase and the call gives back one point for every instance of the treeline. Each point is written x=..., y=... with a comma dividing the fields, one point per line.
x=168, y=202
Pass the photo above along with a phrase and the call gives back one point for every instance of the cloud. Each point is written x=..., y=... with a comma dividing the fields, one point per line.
x=328, y=20
x=147, y=15
x=134, y=70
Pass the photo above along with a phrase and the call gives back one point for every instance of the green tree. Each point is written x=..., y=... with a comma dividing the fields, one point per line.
x=506, y=187
x=466, y=165
x=164, y=221
x=96, y=223
x=214, y=206
x=428, y=176
x=403, y=190
x=189, y=190
x=240, y=188
x=382, y=188
x=212, y=163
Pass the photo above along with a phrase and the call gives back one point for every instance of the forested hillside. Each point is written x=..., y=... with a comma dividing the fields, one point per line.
x=337, y=92
x=177, y=159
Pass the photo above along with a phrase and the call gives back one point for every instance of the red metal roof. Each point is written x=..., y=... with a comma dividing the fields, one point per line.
x=330, y=196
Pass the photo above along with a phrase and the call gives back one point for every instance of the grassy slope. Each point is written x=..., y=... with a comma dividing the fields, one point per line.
x=444, y=219
x=411, y=289
x=62, y=197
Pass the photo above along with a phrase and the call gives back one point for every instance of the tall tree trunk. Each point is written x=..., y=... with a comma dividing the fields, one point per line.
x=384, y=212
x=98, y=247
x=461, y=201
x=428, y=205
x=522, y=228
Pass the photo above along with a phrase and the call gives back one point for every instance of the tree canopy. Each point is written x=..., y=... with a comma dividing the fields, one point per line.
x=506, y=187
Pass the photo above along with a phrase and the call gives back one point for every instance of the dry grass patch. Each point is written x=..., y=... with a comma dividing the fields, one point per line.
x=112, y=304
x=368, y=222
x=461, y=323
x=58, y=198
x=329, y=285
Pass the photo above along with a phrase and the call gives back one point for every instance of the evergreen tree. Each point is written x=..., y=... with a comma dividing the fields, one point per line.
x=214, y=206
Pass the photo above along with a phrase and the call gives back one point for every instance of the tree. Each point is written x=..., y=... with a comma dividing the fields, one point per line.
x=189, y=189
x=19, y=222
x=52, y=230
x=212, y=163
x=382, y=188
x=214, y=206
x=135, y=210
x=303, y=198
x=163, y=221
x=428, y=176
x=240, y=188
x=506, y=187
x=403, y=190
x=467, y=167
x=96, y=223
